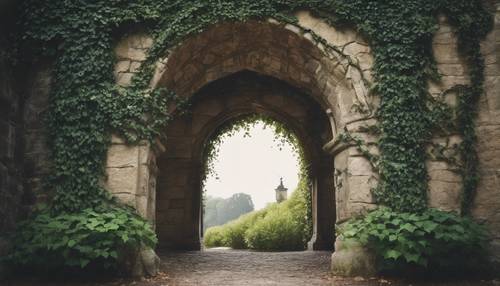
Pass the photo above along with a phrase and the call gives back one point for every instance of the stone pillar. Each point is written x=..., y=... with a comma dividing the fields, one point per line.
x=323, y=208
x=354, y=181
x=131, y=176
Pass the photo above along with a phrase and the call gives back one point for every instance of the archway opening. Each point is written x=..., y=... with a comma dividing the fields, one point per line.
x=256, y=171
x=181, y=167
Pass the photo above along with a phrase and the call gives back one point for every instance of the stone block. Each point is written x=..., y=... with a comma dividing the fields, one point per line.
x=135, y=54
x=445, y=195
x=120, y=156
x=274, y=99
x=122, y=180
x=144, y=177
x=145, y=153
x=179, y=147
x=486, y=203
x=122, y=66
x=210, y=107
x=142, y=205
x=124, y=79
x=354, y=209
x=126, y=199
x=174, y=216
x=178, y=128
x=175, y=192
x=134, y=67
x=492, y=86
x=360, y=189
x=320, y=27
x=359, y=166
x=351, y=259
x=446, y=53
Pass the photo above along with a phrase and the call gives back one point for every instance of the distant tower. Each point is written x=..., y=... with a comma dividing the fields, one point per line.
x=281, y=192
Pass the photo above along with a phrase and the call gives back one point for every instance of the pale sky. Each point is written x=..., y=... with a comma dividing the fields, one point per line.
x=253, y=165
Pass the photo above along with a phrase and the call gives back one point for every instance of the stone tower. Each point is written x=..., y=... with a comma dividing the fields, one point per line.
x=281, y=192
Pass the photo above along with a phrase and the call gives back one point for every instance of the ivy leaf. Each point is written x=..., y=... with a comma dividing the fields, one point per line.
x=392, y=254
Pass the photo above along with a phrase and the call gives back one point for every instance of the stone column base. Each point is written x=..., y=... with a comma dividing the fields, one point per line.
x=319, y=244
x=351, y=259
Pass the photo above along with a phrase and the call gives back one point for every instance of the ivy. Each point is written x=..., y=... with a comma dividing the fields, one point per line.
x=434, y=239
x=86, y=106
x=282, y=136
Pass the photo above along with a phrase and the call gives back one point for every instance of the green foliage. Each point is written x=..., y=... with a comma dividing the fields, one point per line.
x=285, y=226
x=86, y=106
x=218, y=211
x=278, y=227
x=232, y=234
x=432, y=239
x=283, y=135
x=53, y=242
x=215, y=237
x=400, y=33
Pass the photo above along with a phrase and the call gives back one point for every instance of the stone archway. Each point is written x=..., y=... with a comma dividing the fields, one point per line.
x=329, y=67
x=180, y=167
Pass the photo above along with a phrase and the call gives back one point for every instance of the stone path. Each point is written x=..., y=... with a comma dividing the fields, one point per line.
x=239, y=267
x=224, y=267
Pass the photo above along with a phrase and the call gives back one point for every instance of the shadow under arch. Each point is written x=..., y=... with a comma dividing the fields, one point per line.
x=179, y=188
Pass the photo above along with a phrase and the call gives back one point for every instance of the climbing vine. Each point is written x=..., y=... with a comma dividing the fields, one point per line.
x=283, y=136
x=86, y=106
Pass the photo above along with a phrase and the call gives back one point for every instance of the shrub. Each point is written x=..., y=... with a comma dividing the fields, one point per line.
x=285, y=227
x=234, y=231
x=276, y=231
x=50, y=242
x=432, y=239
x=215, y=237
x=279, y=227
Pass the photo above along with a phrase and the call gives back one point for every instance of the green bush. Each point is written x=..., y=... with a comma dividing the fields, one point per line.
x=278, y=227
x=234, y=231
x=432, y=239
x=276, y=231
x=78, y=240
x=215, y=237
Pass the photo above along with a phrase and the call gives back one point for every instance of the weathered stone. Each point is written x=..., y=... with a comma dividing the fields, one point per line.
x=360, y=189
x=124, y=79
x=122, y=66
x=150, y=261
x=134, y=67
x=351, y=259
x=120, y=156
x=320, y=27
x=122, y=181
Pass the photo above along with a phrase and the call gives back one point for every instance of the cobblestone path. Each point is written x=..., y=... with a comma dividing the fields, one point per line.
x=234, y=267
x=242, y=268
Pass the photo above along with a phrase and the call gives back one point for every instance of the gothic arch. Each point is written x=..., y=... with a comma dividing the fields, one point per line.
x=220, y=103
x=329, y=67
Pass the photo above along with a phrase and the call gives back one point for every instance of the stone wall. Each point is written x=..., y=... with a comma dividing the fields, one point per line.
x=24, y=156
x=181, y=167
x=445, y=185
x=335, y=77
x=10, y=133
x=314, y=69
x=486, y=206
x=36, y=152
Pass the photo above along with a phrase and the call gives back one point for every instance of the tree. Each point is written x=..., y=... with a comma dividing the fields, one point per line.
x=218, y=211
